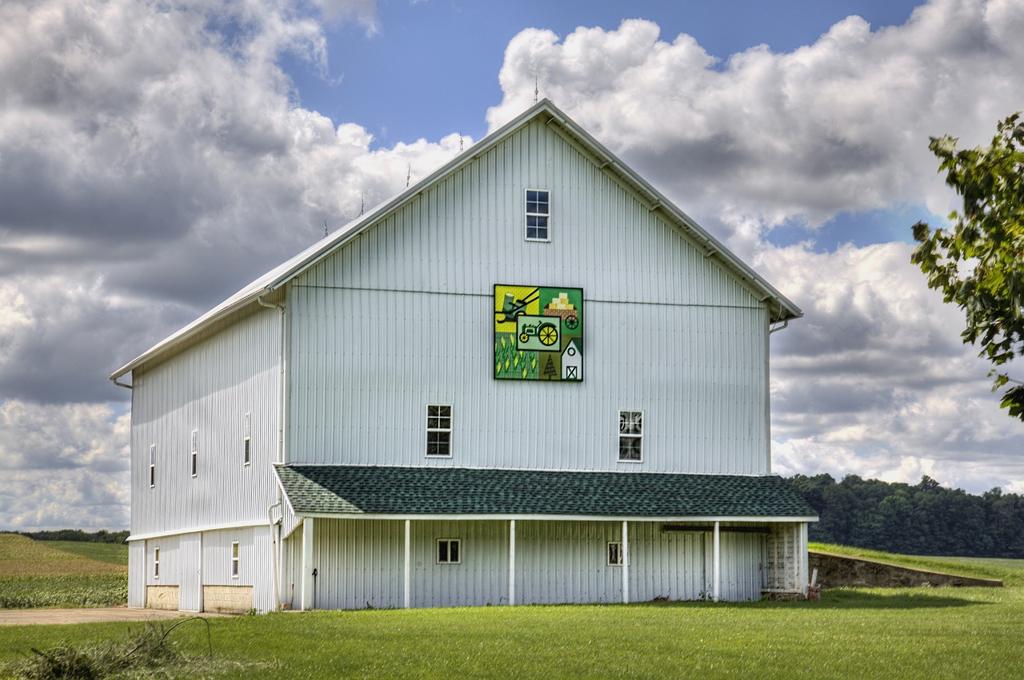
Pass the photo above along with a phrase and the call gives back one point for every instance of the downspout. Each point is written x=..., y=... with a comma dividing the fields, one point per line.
x=120, y=384
x=275, y=527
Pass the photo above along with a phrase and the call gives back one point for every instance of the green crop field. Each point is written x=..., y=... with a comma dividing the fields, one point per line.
x=862, y=633
x=61, y=573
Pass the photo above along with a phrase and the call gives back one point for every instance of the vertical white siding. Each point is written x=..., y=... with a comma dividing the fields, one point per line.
x=665, y=564
x=208, y=387
x=403, y=316
x=255, y=567
x=137, y=574
x=359, y=564
x=480, y=579
x=189, y=561
x=170, y=574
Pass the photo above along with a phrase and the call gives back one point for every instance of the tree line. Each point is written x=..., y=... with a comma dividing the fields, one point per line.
x=101, y=536
x=919, y=519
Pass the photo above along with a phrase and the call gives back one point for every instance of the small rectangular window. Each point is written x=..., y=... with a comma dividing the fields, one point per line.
x=156, y=563
x=439, y=431
x=152, y=465
x=614, y=554
x=631, y=426
x=247, y=442
x=449, y=551
x=234, y=560
x=195, y=453
x=538, y=214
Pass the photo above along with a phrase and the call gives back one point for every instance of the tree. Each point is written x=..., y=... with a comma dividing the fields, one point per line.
x=979, y=263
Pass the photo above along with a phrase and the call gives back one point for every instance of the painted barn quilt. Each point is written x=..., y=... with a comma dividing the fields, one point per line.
x=538, y=333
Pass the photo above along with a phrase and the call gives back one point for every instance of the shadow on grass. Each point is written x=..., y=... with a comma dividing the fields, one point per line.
x=846, y=599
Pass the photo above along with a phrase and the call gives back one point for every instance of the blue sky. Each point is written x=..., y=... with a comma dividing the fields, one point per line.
x=432, y=66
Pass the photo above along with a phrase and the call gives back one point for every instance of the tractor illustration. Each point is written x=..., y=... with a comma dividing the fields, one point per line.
x=545, y=332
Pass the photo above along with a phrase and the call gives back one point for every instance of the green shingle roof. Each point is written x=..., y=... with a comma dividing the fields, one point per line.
x=347, y=489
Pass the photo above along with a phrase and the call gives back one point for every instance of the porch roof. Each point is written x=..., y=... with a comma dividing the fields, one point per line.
x=379, y=490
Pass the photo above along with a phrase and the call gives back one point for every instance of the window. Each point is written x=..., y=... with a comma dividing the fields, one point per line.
x=152, y=465
x=449, y=551
x=538, y=212
x=439, y=431
x=247, y=441
x=631, y=426
x=614, y=554
x=156, y=563
x=195, y=453
x=234, y=560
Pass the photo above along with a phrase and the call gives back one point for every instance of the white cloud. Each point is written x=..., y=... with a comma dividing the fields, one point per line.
x=840, y=124
x=64, y=466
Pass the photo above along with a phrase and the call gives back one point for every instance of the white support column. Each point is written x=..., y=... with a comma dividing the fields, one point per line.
x=306, y=593
x=625, y=562
x=802, y=557
x=407, y=576
x=511, y=562
x=716, y=563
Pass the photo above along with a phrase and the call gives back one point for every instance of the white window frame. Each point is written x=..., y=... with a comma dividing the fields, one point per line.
x=194, y=454
x=608, y=553
x=152, y=466
x=156, y=563
x=528, y=215
x=449, y=430
x=236, y=559
x=449, y=541
x=639, y=437
x=247, y=441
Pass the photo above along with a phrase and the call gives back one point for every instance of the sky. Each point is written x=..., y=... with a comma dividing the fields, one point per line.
x=157, y=156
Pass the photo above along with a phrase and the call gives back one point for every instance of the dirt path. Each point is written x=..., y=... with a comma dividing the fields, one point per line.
x=27, y=617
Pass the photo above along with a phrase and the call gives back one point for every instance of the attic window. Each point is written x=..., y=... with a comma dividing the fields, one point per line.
x=538, y=212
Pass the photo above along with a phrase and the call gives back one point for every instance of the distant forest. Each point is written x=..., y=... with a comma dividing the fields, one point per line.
x=101, y=536
x=920, y=519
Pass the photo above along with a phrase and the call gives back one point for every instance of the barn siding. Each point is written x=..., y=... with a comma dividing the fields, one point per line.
x=402, y=317
x=137, y=574
x=360, y=564
x=256, y=562
x=208, y=387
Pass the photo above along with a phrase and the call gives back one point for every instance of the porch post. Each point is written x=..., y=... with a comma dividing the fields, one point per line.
x=625, y=562
x=306, y=596
x=716, y=559
x=802, y=547
x=407, y=576
x=511, y=562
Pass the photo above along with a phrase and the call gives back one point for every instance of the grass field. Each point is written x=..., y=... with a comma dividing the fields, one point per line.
x=862, y=633
x=61, y=573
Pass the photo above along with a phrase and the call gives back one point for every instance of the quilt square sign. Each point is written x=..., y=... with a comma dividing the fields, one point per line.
x=538, y=333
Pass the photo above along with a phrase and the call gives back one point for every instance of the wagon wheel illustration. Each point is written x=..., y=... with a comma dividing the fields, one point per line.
x=547, y=334
x=571, y=322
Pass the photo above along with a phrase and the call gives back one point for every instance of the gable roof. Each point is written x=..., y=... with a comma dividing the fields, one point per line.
x=782, y=310
x=382, y=490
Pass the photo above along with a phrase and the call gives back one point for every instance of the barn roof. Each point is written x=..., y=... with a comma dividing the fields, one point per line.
x=378, y=490
x=781, y=308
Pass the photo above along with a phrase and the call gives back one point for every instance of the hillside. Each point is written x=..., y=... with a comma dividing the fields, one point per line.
x=53, y=574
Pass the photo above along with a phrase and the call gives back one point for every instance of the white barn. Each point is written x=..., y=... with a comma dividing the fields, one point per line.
x=370, y=423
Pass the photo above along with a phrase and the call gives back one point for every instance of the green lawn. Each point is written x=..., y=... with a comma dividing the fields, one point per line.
x=857, y=633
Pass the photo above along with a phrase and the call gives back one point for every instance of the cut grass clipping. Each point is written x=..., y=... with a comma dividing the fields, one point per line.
x=150, y=651
x=45, y=574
